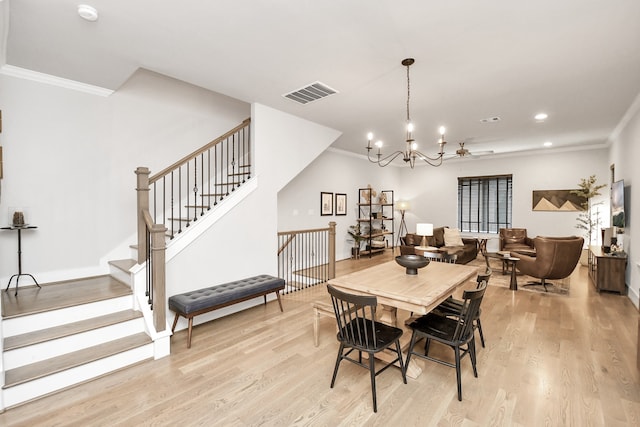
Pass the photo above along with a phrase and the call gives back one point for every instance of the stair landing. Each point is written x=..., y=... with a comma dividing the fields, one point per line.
x=56, y=295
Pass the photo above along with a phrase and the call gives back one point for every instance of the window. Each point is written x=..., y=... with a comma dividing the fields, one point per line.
x=484, y=203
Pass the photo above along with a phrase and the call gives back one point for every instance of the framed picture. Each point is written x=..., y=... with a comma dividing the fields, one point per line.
x=326, y=203
x=557, y=201
x=341, y=204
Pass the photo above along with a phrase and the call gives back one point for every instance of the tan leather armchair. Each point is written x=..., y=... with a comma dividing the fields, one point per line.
x=516, y=240
x=556, y=258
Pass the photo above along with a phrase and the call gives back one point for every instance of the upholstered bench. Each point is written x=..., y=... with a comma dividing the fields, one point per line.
x=193, y=303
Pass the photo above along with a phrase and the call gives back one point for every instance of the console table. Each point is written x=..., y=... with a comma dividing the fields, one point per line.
x=19, y=229
x=607, y=271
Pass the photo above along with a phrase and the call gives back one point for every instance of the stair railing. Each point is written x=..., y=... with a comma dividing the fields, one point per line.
x=182, y=192
x=179, y=194
x=151, y=250
x=307, y=257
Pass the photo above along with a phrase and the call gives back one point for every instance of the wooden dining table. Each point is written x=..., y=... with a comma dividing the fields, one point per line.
x=395, y=289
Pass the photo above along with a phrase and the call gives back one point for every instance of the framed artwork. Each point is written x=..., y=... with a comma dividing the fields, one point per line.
x=341, y=204
x=326, y=203
x=557, y=201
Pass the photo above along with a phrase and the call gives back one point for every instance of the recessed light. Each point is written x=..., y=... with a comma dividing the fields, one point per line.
x=541, y=116
x=88, y=12
x=548, y=144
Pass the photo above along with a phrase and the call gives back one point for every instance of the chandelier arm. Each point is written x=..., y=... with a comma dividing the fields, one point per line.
x=384, y=161
x=433, y=161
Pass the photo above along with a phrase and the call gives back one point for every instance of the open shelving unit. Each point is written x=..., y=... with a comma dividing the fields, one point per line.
x=375, y=216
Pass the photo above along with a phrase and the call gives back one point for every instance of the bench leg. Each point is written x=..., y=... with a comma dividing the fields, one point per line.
x=279, y=300
x=175, y=322
x=189, y=333
x=316, y=326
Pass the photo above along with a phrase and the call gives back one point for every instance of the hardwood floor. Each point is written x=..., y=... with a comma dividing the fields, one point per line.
x=550, y=360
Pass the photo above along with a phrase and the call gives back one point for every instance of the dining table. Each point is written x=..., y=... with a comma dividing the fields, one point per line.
x=395, y=289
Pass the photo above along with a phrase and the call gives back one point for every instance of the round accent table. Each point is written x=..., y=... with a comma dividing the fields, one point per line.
x=19, y=229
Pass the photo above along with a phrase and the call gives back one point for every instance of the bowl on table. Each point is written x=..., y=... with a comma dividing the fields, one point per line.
x=412, y=263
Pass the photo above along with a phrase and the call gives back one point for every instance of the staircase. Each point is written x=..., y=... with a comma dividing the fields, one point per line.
x=66, y=333
x=69, y=332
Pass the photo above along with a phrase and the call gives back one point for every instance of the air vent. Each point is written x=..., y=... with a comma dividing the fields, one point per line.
x=490, y=120
x=310, y=93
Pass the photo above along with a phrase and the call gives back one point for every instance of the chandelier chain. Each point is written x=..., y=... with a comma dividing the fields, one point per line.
x=408, y=95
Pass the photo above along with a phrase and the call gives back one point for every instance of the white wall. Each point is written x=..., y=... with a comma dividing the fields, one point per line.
x=335, y=172
x=625, y=152
x=244, y=242
x=69, y=159
x=433, y=191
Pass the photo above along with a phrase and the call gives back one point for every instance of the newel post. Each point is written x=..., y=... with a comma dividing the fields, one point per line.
x=158, y=270
x=332, y=250
x=142, y=189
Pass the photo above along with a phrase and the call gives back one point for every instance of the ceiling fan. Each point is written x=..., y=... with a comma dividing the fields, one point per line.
x=464, y=152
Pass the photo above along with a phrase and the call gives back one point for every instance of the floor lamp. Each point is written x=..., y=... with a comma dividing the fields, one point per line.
x=402, y=207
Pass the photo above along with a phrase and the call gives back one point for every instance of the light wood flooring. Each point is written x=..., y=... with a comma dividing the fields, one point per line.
x=550, y=360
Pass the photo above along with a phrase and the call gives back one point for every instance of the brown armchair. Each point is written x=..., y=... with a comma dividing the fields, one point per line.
x=516, y=240
x=556, y=258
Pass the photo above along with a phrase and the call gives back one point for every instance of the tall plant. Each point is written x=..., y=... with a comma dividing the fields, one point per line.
x=587, y=189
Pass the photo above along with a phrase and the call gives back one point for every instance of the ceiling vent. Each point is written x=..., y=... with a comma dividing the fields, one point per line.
x=310, y=93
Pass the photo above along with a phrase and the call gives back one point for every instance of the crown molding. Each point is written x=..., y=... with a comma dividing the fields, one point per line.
x=23, y=73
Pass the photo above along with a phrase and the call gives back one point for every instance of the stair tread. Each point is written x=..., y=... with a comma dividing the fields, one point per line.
x=56, y=295
x=41, y=369
x=123, y=264
x=43, y=335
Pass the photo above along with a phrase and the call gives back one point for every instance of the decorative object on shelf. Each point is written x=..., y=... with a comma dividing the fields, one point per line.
x=382, y=198
x=424, y=230
x=357, y=236
x=412, y=263
x=18, y=219
x=411, y=152
x=326, y=203
x=367, y=194
x=341, y=204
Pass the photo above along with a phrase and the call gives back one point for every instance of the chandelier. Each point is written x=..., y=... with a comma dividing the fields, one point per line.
x=410, y=153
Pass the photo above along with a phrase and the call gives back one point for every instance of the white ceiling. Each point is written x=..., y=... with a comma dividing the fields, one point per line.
x=577, y=60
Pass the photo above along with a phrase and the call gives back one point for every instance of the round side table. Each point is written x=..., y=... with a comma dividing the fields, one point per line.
x=19, y=229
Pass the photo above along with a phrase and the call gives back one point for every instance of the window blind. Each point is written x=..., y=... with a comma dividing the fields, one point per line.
x=484, y=203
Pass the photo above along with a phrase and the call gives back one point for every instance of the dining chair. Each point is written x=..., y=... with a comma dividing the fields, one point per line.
x=458, y=333
x=441, y=257
x=358, y=331
x=452, y=306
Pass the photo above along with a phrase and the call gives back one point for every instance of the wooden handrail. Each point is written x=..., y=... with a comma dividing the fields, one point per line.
x=199, y=151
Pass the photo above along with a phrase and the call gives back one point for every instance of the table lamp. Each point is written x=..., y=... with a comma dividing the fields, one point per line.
x=424, y=230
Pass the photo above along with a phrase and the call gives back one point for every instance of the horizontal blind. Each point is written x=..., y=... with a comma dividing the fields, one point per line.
x=484, y=203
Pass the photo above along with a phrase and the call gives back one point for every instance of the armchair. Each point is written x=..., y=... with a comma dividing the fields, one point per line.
x=516, y=240
x=556, y=258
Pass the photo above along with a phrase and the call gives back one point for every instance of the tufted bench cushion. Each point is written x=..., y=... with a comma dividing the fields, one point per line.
x=193, y=303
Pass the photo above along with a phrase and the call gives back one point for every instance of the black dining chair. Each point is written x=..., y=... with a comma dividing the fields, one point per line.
x=452, y=306
x=358, y=331
x=457, y=333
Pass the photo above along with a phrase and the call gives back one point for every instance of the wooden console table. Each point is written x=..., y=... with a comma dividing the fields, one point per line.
x=607, y=271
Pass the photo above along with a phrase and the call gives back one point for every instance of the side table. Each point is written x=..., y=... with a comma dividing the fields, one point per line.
x=511, y=263
x=19, y=229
